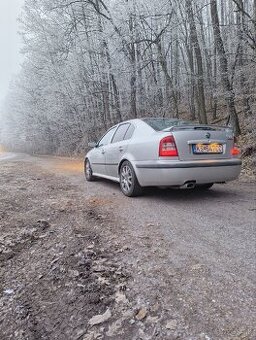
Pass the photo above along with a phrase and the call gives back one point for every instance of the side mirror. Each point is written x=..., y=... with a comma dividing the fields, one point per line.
x=92, y=144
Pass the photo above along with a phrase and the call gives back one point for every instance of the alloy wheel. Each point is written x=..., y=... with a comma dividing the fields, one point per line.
x=88, y=170
x=126, y=178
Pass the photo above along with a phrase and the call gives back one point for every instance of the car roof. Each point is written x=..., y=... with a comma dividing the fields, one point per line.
x=147, y=118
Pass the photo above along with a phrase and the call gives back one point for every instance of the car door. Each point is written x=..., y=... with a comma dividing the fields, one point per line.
x=118, y=147
x=98, y=156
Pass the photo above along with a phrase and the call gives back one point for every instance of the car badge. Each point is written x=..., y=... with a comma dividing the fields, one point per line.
x=208, y=135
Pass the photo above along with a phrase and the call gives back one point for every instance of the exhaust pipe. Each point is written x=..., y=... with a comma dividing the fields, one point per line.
x=189, y=185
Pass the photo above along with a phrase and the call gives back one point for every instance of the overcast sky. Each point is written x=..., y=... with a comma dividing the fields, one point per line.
x=10, y=43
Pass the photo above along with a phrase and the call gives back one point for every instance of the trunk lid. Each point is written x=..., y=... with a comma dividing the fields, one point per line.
x=196, y=142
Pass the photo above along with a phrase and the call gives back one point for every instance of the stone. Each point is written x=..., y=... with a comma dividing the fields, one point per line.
x=142, y=313
x=98, y=319
x=115, y=328
x=172, y=324
x=120, y=298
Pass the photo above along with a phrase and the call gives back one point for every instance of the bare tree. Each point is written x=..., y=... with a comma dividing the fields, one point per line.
x=227, y=86
x=199, y=63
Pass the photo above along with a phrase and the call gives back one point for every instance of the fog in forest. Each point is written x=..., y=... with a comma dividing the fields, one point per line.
x=10, y=42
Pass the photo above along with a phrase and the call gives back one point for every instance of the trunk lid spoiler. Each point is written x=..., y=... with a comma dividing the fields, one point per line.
x=198, y=127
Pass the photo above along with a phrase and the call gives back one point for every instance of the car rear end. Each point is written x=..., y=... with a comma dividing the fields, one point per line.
x=186, y=155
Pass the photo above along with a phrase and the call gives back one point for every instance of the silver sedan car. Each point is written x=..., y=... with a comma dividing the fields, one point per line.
x=165, y=153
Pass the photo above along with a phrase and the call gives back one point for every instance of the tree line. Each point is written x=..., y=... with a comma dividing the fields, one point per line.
x=89, y=64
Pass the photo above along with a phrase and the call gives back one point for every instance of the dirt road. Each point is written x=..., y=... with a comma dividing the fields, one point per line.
x=169, y=265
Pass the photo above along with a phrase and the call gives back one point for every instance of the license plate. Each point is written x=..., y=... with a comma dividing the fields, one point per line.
x=207, y=148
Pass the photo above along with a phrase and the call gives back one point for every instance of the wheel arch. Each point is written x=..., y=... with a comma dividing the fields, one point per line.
x=135, y=188
x=132, y=163
x=86, y=158
x=120, y=164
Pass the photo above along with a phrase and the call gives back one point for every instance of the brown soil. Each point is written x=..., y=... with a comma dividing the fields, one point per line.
x=56, y=270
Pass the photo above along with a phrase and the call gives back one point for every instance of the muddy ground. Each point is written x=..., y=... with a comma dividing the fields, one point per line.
x=169, y=265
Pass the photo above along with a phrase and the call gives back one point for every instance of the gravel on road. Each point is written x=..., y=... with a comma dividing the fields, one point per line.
x=81, y=261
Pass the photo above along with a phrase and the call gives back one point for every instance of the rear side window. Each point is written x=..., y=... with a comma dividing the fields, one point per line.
x=120, y=132
x=129, y=132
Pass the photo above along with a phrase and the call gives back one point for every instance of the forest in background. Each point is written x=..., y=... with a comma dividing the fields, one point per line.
x=90, y=64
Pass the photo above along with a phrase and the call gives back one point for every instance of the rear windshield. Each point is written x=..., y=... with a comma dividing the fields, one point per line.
x=159, y=124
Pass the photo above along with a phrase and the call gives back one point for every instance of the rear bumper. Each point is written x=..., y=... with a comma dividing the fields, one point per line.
x=176, y=173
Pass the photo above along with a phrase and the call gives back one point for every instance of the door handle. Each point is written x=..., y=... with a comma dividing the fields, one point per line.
x=121, y=148
x=103, y=151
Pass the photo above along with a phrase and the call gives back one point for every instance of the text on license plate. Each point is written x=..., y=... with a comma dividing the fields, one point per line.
x=207, y=148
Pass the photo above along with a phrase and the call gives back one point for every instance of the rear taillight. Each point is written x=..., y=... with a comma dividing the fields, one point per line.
x=235, y=151
x=167, y=147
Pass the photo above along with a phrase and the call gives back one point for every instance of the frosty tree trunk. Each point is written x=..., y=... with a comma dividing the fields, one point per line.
x=215, y=99
x=133, y=79
x=192, y=84
x=168, y=78
x=208, y=65
x=199, y=63
x=254, y=17
x=227, y=86
x=241, y=57
x=118, y=115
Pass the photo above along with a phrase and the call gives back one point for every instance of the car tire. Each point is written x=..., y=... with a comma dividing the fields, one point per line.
x=128, y=180
x=205, y=186
x=88, y=171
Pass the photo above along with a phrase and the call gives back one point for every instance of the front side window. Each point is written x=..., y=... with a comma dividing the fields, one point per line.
x=107, y=137
x=120, y=132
